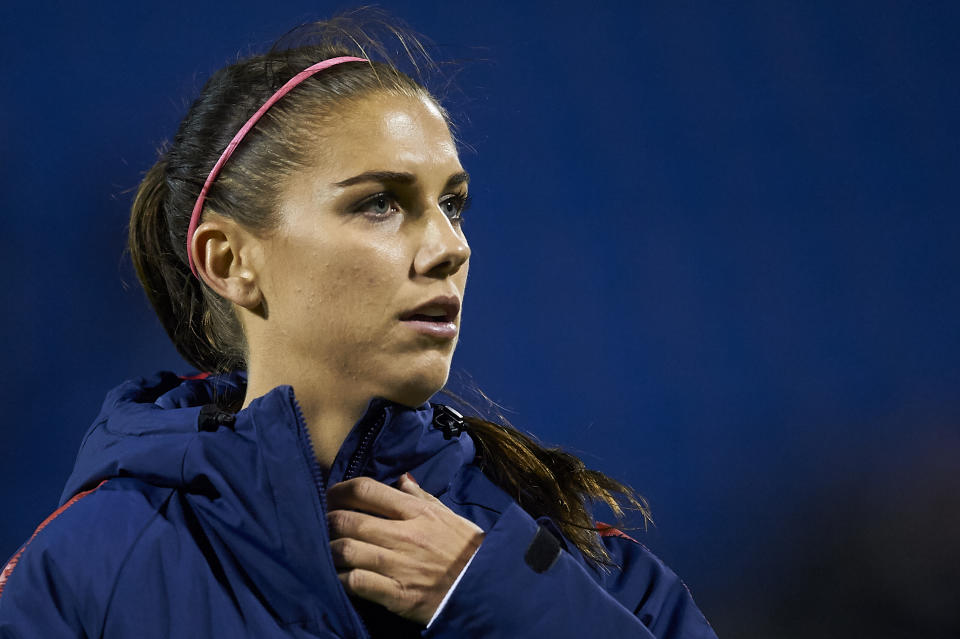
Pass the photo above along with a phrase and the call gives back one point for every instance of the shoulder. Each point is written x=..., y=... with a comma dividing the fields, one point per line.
x=643, y=583
x=76, y=553
x=109, y=515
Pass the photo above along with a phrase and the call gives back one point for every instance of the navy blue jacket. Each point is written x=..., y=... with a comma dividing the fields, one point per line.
x=183, y=521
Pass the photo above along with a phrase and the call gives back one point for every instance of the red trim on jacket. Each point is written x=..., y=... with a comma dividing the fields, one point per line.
x=606, y=530
x=8, y=569
x=197, y=376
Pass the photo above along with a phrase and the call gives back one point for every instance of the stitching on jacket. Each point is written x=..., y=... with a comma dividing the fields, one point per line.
x=126, y=558
x=183, y=458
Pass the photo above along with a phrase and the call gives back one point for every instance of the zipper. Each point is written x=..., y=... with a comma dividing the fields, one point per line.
x=320, y=484
x=359, y=458
x=316, y=473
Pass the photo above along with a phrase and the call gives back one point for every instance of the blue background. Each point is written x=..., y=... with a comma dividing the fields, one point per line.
x=715, y=253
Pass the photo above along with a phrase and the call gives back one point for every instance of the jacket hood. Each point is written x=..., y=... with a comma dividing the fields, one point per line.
x=166, y=430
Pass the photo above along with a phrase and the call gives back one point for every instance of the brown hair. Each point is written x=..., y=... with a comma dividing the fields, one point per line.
x=203, y=325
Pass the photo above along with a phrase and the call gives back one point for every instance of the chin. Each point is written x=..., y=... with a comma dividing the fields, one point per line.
x=414, y=389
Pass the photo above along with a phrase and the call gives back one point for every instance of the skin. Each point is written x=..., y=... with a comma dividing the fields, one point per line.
x=319, y=299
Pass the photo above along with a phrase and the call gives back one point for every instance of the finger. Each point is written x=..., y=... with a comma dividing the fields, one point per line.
x=368, y=528
x=376, y=498
x=408, y=484
x=352, y=553
x=377, y=588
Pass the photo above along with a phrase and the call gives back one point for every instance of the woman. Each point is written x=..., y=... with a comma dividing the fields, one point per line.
x=301, y=241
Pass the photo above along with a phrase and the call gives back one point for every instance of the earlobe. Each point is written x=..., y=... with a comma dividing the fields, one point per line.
x=221, y=251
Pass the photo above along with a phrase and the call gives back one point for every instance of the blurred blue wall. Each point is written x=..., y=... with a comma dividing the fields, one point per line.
x=715, y=252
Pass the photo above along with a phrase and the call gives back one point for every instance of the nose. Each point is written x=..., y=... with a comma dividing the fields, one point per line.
x=443, y=248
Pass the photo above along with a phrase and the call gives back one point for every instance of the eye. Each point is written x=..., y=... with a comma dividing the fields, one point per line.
x=455, y=206
x=378, y=205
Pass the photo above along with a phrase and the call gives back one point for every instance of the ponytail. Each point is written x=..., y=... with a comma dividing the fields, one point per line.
x=179, y=299
x=549, y=481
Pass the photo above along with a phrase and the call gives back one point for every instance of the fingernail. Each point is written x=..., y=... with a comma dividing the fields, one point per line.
x=410, y=477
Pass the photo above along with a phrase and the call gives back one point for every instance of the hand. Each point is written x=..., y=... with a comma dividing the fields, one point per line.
x=406, y=553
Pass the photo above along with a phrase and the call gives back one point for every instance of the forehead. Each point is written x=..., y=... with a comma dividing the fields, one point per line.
x=386, y=130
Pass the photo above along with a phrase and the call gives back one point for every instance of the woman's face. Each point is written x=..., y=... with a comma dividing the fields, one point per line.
x=366, y=236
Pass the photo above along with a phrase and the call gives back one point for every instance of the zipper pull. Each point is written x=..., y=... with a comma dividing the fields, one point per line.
x=448, y=420
x=211, y=418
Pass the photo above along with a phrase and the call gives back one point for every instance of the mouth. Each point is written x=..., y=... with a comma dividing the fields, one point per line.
x=435, y=318
x=440, y=310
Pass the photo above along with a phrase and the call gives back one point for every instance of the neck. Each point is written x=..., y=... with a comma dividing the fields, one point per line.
x=330, y=410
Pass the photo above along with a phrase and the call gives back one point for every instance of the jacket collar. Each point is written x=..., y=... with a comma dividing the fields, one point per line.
x=156, y=428
x=251, y=480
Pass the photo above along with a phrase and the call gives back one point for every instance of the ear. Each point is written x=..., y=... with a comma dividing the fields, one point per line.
x=224, y=255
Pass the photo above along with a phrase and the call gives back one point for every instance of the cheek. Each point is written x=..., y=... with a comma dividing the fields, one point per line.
x=344, y=283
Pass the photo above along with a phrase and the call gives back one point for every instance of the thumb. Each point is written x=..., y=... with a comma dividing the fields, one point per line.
x=409, y=485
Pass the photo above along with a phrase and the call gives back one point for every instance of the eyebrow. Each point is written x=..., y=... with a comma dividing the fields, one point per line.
x=398, y=178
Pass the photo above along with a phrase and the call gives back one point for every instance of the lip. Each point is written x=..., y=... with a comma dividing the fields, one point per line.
x=442, y=330
x=445, y=326
x=449, y=304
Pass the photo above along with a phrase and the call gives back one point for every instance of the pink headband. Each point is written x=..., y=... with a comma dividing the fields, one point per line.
x=292, y=82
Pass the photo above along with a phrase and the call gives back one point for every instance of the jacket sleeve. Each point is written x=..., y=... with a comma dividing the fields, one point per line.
x=58, y=584
x=34, y=601
x=522, y=584
x=44, y=592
